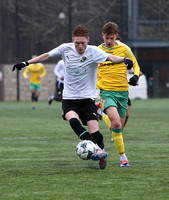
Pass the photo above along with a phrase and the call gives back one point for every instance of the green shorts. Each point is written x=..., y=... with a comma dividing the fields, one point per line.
x=117, y=99
x=34, y=86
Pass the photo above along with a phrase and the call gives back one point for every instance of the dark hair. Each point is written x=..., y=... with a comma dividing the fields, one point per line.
x=80, y=31
x=110, y=28
x=119, y=38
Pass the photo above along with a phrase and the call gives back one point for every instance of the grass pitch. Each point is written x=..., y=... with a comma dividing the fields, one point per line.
x=38, y=158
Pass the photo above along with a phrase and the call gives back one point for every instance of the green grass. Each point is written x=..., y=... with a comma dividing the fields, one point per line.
x=38, y=158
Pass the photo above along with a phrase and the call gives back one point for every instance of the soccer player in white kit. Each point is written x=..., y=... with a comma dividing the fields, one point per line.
x=81, y=64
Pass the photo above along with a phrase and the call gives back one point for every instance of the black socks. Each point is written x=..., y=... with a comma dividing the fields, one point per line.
x=83, y=134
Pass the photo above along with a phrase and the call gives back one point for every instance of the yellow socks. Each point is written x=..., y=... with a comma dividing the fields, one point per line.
x=33, y=105
x=106, y=120
x=116, y=135
x=118, y=140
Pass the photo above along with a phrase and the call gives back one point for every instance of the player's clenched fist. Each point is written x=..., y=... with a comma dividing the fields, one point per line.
x=133, y=80
x=19, y=66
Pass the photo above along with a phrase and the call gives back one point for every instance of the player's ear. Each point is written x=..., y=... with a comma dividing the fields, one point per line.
x=88, y=39
x=72, y=39
x=103, y=35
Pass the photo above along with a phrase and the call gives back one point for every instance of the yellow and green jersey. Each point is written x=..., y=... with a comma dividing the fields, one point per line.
x=35, y=70
x=112, y=76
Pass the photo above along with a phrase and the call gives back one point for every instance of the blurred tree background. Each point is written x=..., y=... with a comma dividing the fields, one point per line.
x=37, y=26
x=43, y=25
x=32, y=27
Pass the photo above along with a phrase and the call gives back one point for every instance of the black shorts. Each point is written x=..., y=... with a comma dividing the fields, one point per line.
x=85, y=108
x=129, y=102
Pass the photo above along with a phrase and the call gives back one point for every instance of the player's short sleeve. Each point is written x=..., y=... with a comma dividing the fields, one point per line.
x=99, y=55
x=41, y=65
x=58, y=51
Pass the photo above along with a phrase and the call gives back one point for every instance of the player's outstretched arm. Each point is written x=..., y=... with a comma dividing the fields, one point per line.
x=118, y=59
x=37, y=59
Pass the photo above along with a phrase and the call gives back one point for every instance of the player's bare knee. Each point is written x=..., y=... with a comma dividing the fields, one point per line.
x=117, y=125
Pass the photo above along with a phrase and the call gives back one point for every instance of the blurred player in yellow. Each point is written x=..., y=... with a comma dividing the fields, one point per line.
x=36, y=73
x=113, y=85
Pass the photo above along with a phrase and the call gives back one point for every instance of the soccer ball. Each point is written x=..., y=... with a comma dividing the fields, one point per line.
x=85, y=149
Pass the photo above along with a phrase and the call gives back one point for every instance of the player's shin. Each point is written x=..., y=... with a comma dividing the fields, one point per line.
x=106, y=120
x=98, y=137
x=80, y=131
x=118, y=140
x=33, y=96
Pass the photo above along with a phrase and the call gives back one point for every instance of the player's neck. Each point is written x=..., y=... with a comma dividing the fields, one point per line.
x=109, y=46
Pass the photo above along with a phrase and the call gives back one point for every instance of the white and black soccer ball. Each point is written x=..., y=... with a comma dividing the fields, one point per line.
x=85, y=149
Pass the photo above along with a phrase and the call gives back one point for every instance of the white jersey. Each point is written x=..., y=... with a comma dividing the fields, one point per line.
x=60, y=71
x=80, y=70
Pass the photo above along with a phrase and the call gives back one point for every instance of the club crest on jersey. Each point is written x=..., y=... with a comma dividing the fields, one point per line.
x=83, y=59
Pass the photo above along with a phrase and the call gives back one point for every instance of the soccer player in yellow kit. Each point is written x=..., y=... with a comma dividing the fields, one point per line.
x=113, y=84
x=37, y=72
